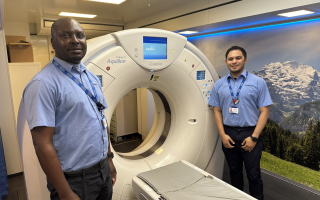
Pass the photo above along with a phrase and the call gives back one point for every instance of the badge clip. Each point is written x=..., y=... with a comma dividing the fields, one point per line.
x=100, y=106
x=104, y=122
x=235, y=101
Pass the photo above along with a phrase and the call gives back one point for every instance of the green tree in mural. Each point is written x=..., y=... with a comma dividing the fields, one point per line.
x=272, y=139
x=295, y=154
x=266, y=138
x=302, y=150
x=280, y=153
x=312, y=146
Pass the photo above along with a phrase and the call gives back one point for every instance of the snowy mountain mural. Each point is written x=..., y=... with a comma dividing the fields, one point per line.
x=294, y=85
x=291, y=84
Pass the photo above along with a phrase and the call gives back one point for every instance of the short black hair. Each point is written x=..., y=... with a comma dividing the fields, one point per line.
x=244, y=53
x=60, y=20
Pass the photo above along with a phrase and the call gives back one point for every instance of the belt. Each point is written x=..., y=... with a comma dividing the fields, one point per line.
x=239, y=127
x=89, y=170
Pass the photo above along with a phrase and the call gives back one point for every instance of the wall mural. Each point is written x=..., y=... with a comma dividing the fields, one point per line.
x=287, y=57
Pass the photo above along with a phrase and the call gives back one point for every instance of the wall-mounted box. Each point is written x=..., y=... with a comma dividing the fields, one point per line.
x=20, y=52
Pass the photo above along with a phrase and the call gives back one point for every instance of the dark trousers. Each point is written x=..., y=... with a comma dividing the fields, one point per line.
x=92, y=186
x=237, y=156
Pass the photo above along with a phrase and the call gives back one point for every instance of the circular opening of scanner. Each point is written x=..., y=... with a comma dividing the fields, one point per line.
x=134, y=110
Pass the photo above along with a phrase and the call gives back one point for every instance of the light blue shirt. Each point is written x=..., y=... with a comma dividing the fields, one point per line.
x=52, y=99
x=253, y=95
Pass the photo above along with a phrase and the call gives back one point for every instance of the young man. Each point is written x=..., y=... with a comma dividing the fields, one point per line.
x=241, y=103
x=64, y=108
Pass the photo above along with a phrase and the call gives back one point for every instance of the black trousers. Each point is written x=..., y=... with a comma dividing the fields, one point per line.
x=237, y=156
x=92, y=186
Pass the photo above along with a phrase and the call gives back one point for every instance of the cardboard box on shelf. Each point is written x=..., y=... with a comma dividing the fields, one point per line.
x=20, y=52
x=18, y=49
x=14, y=39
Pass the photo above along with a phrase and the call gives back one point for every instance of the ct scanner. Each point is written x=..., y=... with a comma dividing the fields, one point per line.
x=179, y=76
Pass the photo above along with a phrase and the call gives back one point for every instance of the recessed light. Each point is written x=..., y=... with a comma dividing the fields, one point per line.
x=109, y=1
x=188, y=32
x=296, y=13
x=76, y=15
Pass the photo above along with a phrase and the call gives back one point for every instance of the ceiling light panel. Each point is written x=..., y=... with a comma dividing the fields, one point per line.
x=67, y=14
x=188, y=32
x=296, y=13
x=109, y=1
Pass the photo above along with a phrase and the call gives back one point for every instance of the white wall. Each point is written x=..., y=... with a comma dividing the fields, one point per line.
x=51, y=50
x=151, y=110
x=40, y=45
x=20, y=76
x=1, y=14
x=17, y=29
x=127, y=114
x=241, y=9
x=146, y=111
x=16, y=24
x=7, y=118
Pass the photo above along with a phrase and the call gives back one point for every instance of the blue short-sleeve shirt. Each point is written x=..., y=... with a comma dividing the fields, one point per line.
x=253, y=95
x=52, y=99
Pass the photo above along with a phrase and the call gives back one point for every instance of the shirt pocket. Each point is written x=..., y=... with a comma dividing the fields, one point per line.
x=221, y=96
x=69, y=101
x=250, y=94
x=224, y=91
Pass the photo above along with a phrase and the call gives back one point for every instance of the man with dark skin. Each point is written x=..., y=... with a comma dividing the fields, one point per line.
x=69, y=42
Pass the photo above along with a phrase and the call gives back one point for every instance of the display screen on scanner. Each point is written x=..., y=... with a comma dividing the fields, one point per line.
x=201, y=75
x=154, y=48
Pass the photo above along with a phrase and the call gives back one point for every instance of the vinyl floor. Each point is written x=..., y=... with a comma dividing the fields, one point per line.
x=284, y=191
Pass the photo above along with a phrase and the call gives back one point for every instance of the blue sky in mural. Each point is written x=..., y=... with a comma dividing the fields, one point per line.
x=280, y=43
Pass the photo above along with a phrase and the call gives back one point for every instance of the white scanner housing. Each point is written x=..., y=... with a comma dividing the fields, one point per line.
x=181, y=74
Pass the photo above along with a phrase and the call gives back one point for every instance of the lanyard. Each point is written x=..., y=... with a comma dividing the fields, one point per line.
x=235, y=99
x=94, y=98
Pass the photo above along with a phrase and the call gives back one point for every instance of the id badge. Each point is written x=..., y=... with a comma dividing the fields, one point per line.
x=234, y=110
x=104, y=122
